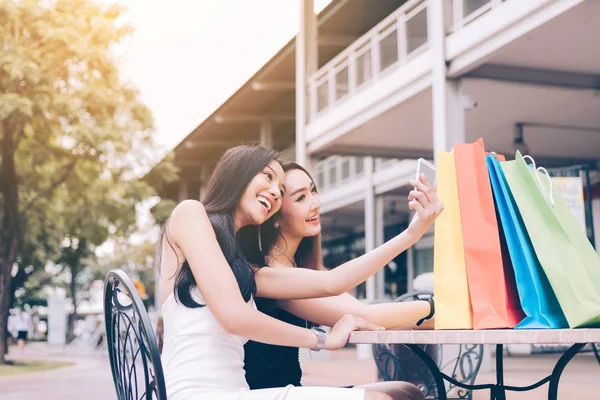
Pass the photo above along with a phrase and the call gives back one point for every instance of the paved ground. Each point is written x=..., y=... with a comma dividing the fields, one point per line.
x=580, y=380
x=89, y=378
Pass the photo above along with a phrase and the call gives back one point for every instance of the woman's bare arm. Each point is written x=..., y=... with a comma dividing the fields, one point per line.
x=300, y=283
x=327, y=311
x=191, y=231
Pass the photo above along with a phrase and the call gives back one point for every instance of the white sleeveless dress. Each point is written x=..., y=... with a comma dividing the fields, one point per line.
x=202, y=361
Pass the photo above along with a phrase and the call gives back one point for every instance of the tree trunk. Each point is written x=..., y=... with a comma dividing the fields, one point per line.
x=73, y=293
x=9, y=232
x=5, y=268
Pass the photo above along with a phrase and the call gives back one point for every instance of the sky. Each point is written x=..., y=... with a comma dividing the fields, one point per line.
x=189, y=56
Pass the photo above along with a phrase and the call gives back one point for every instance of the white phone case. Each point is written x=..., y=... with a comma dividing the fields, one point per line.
x=424, y=166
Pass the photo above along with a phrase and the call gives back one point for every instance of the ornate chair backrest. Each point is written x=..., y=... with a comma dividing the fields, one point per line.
x=399, y=363
x=132, y=346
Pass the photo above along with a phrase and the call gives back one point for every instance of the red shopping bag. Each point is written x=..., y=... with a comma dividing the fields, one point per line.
x=494, y=298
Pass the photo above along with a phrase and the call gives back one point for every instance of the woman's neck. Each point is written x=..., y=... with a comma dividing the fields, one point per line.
x=285, y=249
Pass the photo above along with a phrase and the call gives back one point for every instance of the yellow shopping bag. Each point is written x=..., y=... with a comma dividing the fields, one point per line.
x=452, y=302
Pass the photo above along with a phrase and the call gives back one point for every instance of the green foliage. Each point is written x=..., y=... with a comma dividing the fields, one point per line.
x=79, y=135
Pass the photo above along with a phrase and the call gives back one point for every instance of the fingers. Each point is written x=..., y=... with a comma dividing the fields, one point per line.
x=420, y=196
x=416, y=206
x=419, y=203
x=426, y=195
x=363, y=325
x=423, y=186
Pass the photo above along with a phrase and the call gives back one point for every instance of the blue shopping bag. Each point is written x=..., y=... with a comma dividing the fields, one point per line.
x=537, y=297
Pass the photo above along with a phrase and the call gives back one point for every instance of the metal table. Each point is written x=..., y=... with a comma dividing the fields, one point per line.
x=412, y=339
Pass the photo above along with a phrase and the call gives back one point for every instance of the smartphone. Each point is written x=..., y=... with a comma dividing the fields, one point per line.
x=426, y=168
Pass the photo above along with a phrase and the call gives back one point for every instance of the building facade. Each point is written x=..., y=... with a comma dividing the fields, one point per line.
x=368, y=87
x=433, y=73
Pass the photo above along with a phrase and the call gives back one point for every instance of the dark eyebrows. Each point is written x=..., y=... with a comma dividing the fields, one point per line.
x=298, y=191
x=312, y=186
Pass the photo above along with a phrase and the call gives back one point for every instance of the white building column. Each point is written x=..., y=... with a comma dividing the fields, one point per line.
x=266, y=134
x=369, y=221
x=448, y=112
x=306, y=65
x=379, y=239
x=410, y=268
x=365, y=351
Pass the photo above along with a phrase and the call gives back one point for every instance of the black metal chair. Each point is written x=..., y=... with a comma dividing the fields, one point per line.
x=399, y=363
x=132, y=346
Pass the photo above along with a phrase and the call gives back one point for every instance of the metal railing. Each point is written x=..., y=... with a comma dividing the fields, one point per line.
x=334, y=171
x=392, y=42
x=397, y=39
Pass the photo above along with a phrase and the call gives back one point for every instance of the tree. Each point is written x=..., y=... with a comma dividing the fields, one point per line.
x=69, y=127
x=95, y=204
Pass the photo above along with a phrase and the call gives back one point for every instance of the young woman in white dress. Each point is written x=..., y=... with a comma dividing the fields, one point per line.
x=208, y=286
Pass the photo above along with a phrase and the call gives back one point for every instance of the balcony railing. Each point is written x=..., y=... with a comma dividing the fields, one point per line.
x=335, y=171
x=465, y=11
x=392, y=42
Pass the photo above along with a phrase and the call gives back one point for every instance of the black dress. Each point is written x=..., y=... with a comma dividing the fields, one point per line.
x=270, y=366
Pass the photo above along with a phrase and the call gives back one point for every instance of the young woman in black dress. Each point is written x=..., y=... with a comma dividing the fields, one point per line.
x=292, y=238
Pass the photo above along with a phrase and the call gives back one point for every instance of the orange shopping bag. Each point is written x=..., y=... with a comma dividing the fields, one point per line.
x=494, y=298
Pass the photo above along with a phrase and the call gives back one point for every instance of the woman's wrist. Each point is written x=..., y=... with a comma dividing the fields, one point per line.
x=312, y=340
x=430, y=313
x=410, y=236
x=321, y=338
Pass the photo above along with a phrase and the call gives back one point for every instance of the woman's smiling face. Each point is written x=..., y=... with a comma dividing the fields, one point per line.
x=300, y=206
x=262, y=197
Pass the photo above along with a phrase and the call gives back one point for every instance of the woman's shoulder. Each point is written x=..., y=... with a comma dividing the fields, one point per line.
x=186, y=210
x=189, y=206
x=186, y=213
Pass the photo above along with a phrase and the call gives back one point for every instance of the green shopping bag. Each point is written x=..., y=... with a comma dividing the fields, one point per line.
x=565, y=254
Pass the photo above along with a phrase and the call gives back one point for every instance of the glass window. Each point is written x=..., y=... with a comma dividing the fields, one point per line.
x=360, y=165
x=388, y=50
x=416, y=31
x=423, y=260
x=363, y=68
x=322, y=96
x=470, y=6
x=345, y=168
x=341, y=83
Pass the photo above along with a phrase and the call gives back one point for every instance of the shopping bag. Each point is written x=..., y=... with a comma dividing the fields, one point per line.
x=538, y=301
x=452, y=303
x=561, y=247
x=494, y=298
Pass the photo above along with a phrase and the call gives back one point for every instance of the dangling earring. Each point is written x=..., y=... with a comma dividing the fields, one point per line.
x=259, y=239
x=276, y=225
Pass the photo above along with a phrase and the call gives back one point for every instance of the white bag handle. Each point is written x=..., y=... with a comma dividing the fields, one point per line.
x=549, y=198
x=530, y=159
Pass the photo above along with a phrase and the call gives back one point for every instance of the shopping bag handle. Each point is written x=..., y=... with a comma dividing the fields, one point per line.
x=550, y=198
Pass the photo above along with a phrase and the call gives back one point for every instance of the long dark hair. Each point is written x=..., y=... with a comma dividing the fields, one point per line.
x=309, y=253
x=232, y=174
